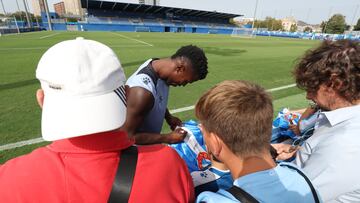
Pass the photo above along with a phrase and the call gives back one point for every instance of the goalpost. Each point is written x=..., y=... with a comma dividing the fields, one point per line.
x=142, y=29
x=9, y=25
x=244, y=32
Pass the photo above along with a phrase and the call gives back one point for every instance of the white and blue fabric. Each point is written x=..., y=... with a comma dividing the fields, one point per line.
x=281, y=125
x=193, y=149
x=211, y=179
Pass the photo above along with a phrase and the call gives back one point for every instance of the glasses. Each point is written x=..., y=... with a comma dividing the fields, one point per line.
x=300, y=141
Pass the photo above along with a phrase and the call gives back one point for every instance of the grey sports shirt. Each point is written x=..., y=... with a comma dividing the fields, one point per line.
x=146, y=78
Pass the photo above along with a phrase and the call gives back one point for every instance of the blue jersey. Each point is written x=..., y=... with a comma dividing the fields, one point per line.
x=211, y=179
x=193, y=149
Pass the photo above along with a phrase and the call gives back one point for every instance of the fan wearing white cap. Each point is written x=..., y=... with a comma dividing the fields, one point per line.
x=83, y=104
x=148, y=90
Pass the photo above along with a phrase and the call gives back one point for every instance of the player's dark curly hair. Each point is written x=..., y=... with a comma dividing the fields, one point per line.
x=197, y=58
x=335, y=64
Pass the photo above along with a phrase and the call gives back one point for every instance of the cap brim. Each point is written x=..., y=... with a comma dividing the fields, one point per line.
x=66, y=117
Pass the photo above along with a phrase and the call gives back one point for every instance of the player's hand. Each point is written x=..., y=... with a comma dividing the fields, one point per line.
x=285, y=151
x=295, y=129
x=175, y=136
x=173, y=122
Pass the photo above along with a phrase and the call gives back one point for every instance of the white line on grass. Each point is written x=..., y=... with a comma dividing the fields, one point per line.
x=22, y=48
x=22, y=33
x=188, y=108
x=122, y=46
x=20, y=144
x=115, y=33
x=47, y=36
x=281, y=88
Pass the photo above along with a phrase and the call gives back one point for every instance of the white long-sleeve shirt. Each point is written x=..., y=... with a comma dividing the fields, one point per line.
x=331, y=157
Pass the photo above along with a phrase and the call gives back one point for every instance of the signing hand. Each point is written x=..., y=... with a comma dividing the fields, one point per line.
x=175, y=136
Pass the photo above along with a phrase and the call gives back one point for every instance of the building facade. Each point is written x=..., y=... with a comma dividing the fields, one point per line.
x=288, y=22
x=73, y=8
x=38, y=7
x=60, y=8
x=150, y=2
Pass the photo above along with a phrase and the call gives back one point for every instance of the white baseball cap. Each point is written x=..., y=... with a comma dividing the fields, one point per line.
x=83, y=83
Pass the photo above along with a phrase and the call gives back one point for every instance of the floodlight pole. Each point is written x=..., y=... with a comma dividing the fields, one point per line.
x=17, y=3
x=2, y=4
x=254, y=14
x=27, y=4
x=272, y=24
x=27, y=14
x=17, y=27
x=47, y=14
x=330, y=10
x=352, y=21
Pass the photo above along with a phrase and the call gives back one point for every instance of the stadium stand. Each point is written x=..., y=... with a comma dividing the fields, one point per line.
x=131, y=17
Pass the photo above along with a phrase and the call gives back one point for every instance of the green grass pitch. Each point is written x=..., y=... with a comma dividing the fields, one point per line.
x=266, y=61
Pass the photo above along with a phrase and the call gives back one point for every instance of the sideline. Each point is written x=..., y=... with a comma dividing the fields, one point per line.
x=46, y=36
x=188, y=108
x=123, y=36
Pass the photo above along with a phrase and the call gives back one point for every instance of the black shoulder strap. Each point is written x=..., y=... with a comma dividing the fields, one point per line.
x=124, y=177
x=245, y=197
x=242, y=195
x=313, y=191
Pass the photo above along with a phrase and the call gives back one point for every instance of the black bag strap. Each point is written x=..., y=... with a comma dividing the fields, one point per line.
x=245, y=197
x=313, y=191
x=241, y=195
x=124, y=177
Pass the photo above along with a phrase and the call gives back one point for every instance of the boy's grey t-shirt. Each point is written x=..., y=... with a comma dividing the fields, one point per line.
x=146, y=78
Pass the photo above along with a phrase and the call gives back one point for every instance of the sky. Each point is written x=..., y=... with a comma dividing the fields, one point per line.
x=310, y=11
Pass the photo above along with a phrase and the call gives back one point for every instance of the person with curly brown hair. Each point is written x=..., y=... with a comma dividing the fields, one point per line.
x=330, y=75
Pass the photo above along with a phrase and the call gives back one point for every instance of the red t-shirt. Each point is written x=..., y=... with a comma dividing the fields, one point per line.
x=82, y=169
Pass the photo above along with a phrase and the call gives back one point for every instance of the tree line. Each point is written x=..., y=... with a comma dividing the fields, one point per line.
x=336, y=24
x=21, y=16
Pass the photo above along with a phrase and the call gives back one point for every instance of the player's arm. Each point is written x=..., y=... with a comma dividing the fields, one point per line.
x=139, y=103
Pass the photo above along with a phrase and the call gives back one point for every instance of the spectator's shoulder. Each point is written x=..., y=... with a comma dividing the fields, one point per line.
x=23, y=167
x=26, y=160
x=162, y=156
x=159, y=151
